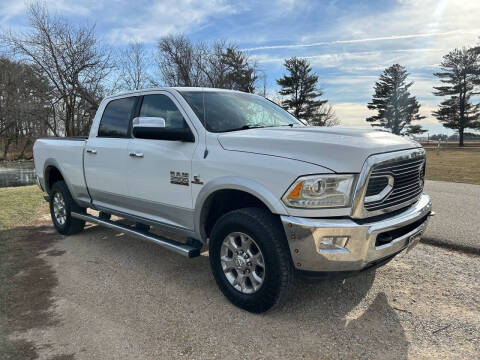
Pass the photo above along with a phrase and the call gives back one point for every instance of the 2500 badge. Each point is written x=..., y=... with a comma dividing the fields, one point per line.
x=179, y=178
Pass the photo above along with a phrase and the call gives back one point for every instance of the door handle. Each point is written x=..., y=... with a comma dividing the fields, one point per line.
x=136, y=154
x=91, y=151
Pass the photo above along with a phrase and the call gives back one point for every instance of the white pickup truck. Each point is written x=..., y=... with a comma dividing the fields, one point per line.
x=233, y=172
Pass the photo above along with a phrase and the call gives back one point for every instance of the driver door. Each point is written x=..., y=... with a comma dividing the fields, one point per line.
x=160, y=170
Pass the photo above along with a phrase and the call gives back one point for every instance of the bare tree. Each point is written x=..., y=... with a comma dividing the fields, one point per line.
x=178, y=61
x=211, y=64
x=72, y=60
x=133, y=65
x=221, y=65
x=24, y=107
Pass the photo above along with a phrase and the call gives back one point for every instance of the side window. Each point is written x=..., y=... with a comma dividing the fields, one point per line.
x=162, y=106
x=116, y=118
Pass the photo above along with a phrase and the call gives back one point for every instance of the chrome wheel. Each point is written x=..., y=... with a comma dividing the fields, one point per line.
x=242, y=262
x=59, y=208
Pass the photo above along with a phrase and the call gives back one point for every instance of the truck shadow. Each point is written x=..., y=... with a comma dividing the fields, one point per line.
x=349, y=314
x=346, y=314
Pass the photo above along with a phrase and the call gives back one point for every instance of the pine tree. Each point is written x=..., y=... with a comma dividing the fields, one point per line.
x=461, y=75
x=300, y=85
x=415, y=130
x=240, y=74
x=396, y=108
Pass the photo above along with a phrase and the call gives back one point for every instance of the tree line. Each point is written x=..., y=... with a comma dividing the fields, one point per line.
x=460, y=79
x=54, y=75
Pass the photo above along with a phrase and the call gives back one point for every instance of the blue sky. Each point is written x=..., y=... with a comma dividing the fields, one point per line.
x=348, y=43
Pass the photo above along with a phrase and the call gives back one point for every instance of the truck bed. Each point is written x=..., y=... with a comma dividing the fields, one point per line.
x=73, y=138
x=66, y=154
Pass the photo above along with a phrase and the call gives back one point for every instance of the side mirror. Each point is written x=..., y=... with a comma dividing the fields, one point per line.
x=154, y=128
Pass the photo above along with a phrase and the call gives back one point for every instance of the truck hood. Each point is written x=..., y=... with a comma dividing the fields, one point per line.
x=341, y=150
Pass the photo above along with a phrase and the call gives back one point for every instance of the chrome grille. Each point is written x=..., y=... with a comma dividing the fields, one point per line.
x=408, y=177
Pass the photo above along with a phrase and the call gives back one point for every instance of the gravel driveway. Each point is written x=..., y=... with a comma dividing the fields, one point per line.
x=120, y=298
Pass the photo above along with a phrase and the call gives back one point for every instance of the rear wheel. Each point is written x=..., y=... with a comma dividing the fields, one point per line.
x=250, y=259
x=61, y=207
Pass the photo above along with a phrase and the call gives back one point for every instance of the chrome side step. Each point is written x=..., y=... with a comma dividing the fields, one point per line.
x=182, y=249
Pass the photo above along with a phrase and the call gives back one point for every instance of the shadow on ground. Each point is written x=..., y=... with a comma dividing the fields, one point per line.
x=26, y=287
x=314, y=316
x=167, y=304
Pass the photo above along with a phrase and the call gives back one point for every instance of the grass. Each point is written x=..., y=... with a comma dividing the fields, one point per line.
x=454, y=164
x=19, y=205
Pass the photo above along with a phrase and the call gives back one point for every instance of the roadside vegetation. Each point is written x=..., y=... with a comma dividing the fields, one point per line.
x=454, y=164
x=18, y=206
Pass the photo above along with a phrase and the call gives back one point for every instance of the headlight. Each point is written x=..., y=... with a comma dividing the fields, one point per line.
x=320, y=191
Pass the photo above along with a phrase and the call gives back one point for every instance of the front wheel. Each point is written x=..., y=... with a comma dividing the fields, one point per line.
x=250, y=259
x=61, y=207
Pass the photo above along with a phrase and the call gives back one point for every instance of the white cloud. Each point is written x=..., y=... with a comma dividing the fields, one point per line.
x=415, y=34
x=11, y=9
x=417, y=17
x=361, y=61
x=352, y=114
x=365, y=40
x=168, y=17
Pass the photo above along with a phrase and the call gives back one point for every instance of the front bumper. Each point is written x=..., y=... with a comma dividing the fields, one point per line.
x=361, y=243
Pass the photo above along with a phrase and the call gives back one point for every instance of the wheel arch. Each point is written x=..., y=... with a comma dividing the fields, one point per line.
x=52, y=173
x=231, y=193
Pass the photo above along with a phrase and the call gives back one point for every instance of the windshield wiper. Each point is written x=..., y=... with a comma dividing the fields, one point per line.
x=245, y=127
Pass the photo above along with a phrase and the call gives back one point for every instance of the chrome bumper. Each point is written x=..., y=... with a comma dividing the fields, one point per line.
x=349, y=245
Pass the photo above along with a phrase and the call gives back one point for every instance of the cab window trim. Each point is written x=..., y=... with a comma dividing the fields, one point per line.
x=131, y=117
x=182, y=111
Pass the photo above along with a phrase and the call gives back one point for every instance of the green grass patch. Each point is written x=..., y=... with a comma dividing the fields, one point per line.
x=454, y=164
x=19, y=205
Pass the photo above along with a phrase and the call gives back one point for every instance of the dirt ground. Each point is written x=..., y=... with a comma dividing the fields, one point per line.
x=103, y=295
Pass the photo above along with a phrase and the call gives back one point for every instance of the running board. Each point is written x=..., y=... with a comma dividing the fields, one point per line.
x=182, y=249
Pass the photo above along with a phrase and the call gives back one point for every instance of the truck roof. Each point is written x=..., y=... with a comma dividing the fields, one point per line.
x=178, y=88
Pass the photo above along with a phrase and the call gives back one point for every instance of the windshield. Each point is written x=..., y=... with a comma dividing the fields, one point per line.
x=230, y=111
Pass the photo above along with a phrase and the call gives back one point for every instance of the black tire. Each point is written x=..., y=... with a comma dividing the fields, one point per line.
x=71, y=225
x=265, y=229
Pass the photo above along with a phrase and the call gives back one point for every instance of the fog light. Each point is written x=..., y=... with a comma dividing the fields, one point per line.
x=333, y=243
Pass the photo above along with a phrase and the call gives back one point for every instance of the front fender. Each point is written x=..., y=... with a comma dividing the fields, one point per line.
x=252, y=187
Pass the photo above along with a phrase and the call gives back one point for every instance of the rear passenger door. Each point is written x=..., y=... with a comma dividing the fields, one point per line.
x=159, y=180
x=106, y=155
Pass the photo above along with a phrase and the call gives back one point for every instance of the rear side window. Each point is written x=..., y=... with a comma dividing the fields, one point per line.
x=116, y=118
x=162, y=106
